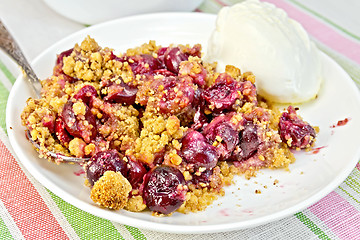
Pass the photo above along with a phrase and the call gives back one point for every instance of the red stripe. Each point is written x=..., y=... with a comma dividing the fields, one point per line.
x=338, y=215
x=322, y=32
x=23, y=202
x=221, y=3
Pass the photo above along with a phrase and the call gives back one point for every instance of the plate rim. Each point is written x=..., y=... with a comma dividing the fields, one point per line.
x=164, y=227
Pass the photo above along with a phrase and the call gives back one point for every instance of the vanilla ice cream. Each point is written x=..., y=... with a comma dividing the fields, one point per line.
x=261, y=38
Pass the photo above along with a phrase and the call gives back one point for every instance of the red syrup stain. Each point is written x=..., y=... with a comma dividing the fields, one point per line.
x=317, y=149
x=79, y=172
x=341, y=123
x=224, y=213
x=247, y=211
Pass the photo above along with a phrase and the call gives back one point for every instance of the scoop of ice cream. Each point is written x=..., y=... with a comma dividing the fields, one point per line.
x=261, y=38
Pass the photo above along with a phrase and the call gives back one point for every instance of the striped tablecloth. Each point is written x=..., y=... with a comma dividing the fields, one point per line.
x=30, y=211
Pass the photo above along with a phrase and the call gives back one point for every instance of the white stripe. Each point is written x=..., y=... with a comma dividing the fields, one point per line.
x=354, y=197
x=9, y=222
x=59, y=216
x=122, y=230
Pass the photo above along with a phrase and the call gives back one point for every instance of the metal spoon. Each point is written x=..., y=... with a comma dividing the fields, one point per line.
x=8, y=44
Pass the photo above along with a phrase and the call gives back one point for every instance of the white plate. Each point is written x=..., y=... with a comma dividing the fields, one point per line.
x=310, y=178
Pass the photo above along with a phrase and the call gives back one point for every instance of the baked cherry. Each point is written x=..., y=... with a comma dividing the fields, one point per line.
x=221, y=130
x=169, y=95
x=109, y=160
x=86, y=93
x=121, y=93
x=82, y=126
x=173, y=57
x=135, y=173
x=61, y=133
x=248, y=143
x=164, y=189
x=222, y=94
x=196, y=152
x=144, y=63
x=295, y=132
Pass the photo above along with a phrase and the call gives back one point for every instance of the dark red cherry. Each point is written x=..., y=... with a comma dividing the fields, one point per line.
x=136, y=172
x=121, y=93
x=221, y=130
x=294, y=131
x=86, y=93
x=249, y=143
x=83, y=126
x=109, y=160
x=164, y=189
x=222, y=95
x=144, y=63
x=173, y=57
x=61, y=133
x=197, y=152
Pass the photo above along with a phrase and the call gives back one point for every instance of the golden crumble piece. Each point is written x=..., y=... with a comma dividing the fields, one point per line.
x=69, y=65
x=172, y=125
x=89, y=44
x=90, y=149
x=211, y=75
x=173, y=158
x=79, y=108
x=192, y=66
x=77, y=147
x=146, y=48
x=86, y=61
x=249, y=76
x=233, y=71
x=111, y=190
x=135, y=204
x=153, y=139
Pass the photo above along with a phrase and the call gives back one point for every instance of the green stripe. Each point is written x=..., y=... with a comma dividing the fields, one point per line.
x=135, y=232
x=85, y=225
x=4, y=94
x=311, y=225
x=6, y=72
x=232, y=2
x=209, y=7
x=326, y=20
x=4, y=231
x=356, y=172
x=353, y=183
x=349, y=195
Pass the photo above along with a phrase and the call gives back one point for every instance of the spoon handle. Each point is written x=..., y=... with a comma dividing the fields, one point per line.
x=8, y=44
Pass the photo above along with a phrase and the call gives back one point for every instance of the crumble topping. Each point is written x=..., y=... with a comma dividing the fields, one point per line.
x=157, y=120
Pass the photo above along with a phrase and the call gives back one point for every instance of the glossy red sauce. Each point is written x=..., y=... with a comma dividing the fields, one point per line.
x=341, y=123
